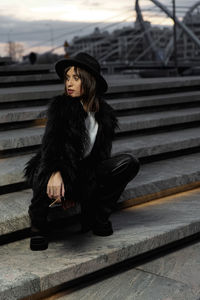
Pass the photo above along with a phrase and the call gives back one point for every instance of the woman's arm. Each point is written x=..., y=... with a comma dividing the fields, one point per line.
x=55, y=186
x=48, y=158
x=31, y=167
x=56, y=145
x=53, y=142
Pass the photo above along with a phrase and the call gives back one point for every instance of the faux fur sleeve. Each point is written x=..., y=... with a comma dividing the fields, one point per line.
x=30, y=168
x=49, y=156
x=53, y=140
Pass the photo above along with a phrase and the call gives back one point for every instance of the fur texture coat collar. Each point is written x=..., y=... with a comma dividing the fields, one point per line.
x=65, y=139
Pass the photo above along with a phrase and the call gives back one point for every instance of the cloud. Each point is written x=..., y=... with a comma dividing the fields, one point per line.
x=76, y=10
x=18, y=30
x=91, y=3
x=35, y=35
x=39, y=24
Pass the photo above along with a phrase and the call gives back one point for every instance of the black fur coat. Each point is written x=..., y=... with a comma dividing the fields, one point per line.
x=65, y=139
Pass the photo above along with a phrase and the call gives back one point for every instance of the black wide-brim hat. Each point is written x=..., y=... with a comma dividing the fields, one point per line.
x=86, y=62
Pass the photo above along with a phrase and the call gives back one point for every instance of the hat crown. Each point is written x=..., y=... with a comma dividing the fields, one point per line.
x=84, y=61
x=88, y=60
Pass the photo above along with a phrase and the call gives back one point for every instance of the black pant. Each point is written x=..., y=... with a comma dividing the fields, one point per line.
x=112, y=176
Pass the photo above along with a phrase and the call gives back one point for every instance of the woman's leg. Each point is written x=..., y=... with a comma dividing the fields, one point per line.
x=38, y=209
x=113, y=175
x=84, y=189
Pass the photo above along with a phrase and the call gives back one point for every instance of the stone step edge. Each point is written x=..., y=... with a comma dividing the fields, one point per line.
x=157, y=195
x=26, y=67
x=117, y=104
x=146, y=120
x=41, y=114
x=34, y=285
x=138, y=101
x=28, y=78
x=20, y=223
x=140, y=146
x=15, y=174
x=132, y=85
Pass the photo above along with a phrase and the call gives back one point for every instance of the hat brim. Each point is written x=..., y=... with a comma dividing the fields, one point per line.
x=62, y=64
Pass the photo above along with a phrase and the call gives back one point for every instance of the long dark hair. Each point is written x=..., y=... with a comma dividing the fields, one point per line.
x=90, y=99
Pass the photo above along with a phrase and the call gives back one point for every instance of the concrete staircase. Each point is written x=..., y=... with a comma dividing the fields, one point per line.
x=159, y=123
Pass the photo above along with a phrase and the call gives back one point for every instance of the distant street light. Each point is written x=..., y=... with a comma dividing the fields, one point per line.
x=175, y=38
x=9, y=43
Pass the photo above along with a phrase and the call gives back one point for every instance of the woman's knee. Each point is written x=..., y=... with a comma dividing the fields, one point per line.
x=123, y=166
x=134, y=165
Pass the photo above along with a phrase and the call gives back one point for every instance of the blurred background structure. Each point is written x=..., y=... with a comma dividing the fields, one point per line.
x=149, y=40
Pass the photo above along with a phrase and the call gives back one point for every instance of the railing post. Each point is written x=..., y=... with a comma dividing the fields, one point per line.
x=175, y=38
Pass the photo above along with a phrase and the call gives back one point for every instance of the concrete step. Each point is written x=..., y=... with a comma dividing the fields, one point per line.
x=24, y=79
x=26, y=93
x=139, y=145
x=17, y=68
x=22, y=114
x=168, y=275
x=159, y=119
x=19, y=138
x=36, y=112
x=126, y=85
x=71, y=255
x=158, y=143
x=11, y=169
x=27, y=137
x=140, y=84
x=155, y=100
x=151, y=84
x=154, y=180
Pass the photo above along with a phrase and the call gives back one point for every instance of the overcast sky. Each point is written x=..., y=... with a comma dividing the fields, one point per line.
x=39, y=25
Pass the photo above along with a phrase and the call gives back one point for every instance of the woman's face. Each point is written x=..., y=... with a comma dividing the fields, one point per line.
x=73, y=83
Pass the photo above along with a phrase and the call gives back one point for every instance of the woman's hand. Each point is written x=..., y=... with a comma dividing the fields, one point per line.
x=55, y=187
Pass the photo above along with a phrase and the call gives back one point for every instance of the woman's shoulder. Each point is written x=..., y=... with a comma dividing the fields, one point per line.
x=104, y=106
x=58, y=99
x=63, y=99
x=58, y=102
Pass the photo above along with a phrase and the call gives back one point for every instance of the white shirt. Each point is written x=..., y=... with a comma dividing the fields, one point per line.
x=92, y=128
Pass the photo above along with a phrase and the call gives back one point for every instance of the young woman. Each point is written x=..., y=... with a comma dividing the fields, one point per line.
x=74, y=163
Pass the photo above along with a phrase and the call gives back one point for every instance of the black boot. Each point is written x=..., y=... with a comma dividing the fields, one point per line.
x=86, y=219
x=102, y=229
x=98, y=228
x=39, y=239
